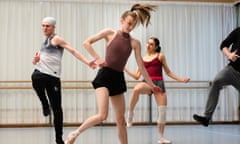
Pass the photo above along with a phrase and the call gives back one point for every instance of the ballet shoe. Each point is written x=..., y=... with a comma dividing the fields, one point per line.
x=164, y=141
x=129, y=120
x=71, y=138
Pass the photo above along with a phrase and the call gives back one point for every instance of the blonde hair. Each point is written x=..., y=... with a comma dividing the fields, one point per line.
x=140, y=13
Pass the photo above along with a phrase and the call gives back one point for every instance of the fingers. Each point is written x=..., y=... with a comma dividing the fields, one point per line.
x=235, y=55
x=37, y=53
x=157, y=89
x=92, y=64
x=187, y=79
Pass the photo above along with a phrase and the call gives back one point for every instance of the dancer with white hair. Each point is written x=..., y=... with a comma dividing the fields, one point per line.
x=46, y=76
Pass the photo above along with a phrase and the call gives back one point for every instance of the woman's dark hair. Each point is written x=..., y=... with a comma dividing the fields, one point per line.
x=157, y=44
x=141, y=13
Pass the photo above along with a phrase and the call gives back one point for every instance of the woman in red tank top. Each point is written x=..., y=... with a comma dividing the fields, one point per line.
x=154, y=61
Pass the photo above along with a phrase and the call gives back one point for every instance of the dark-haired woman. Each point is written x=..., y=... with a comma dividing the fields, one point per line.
x=154, y=61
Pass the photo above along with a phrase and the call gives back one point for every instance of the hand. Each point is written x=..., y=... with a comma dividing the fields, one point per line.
x=92, y=64
x=185, y=80
x=156, y=89
x=100, y=62
x=36, y=58
x=233, y=56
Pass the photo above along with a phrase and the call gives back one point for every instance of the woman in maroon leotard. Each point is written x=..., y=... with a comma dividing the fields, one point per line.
x=154, y=61
x=110, y=82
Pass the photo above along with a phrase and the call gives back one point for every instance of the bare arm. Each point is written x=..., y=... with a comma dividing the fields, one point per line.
x=57, y=40
x=104, y=34
x=137, y=51
x=135, y=75
x=169, y=72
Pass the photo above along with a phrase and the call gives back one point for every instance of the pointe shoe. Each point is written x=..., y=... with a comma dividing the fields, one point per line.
x=129, y=119
x=164, y=141
x=71, y=138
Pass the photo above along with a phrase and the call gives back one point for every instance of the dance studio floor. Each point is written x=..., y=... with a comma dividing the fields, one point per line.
x=179, y=134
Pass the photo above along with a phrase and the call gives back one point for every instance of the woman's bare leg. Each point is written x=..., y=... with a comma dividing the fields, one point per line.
x=118, y=103
x=103, y=104
x=161, y=100
x=141, y=88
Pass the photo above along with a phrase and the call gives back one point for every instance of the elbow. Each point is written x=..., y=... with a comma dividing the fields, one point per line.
x=86, y=44
x=136, y=78
x=221, y=47
x=224, y=44
x=169, y=74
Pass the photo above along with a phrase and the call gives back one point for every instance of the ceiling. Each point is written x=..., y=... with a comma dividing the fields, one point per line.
x=228, y=1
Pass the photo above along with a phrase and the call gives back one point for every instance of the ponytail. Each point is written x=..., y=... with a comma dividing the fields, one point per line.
x=141, y=13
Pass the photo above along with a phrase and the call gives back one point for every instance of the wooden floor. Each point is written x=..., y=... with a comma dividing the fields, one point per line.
x=178, y=134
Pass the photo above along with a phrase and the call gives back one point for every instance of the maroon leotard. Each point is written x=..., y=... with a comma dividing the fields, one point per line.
x=118, y=51
x=154, y=69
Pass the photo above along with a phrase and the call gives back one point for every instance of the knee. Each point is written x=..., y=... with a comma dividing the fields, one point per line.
x=121, y=121
x=162, y=114
x=216, y=83
x=136, y=91
x=102, y=117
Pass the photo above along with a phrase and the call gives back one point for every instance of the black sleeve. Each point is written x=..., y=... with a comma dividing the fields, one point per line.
x=231, y=38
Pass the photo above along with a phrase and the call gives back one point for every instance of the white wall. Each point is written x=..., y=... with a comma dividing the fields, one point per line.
x=190, y=35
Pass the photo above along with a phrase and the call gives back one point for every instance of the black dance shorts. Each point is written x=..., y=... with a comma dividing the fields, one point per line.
x=113, y=80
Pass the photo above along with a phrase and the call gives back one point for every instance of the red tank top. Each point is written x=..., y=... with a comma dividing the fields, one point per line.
x=118, y=51
x=154, y=69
